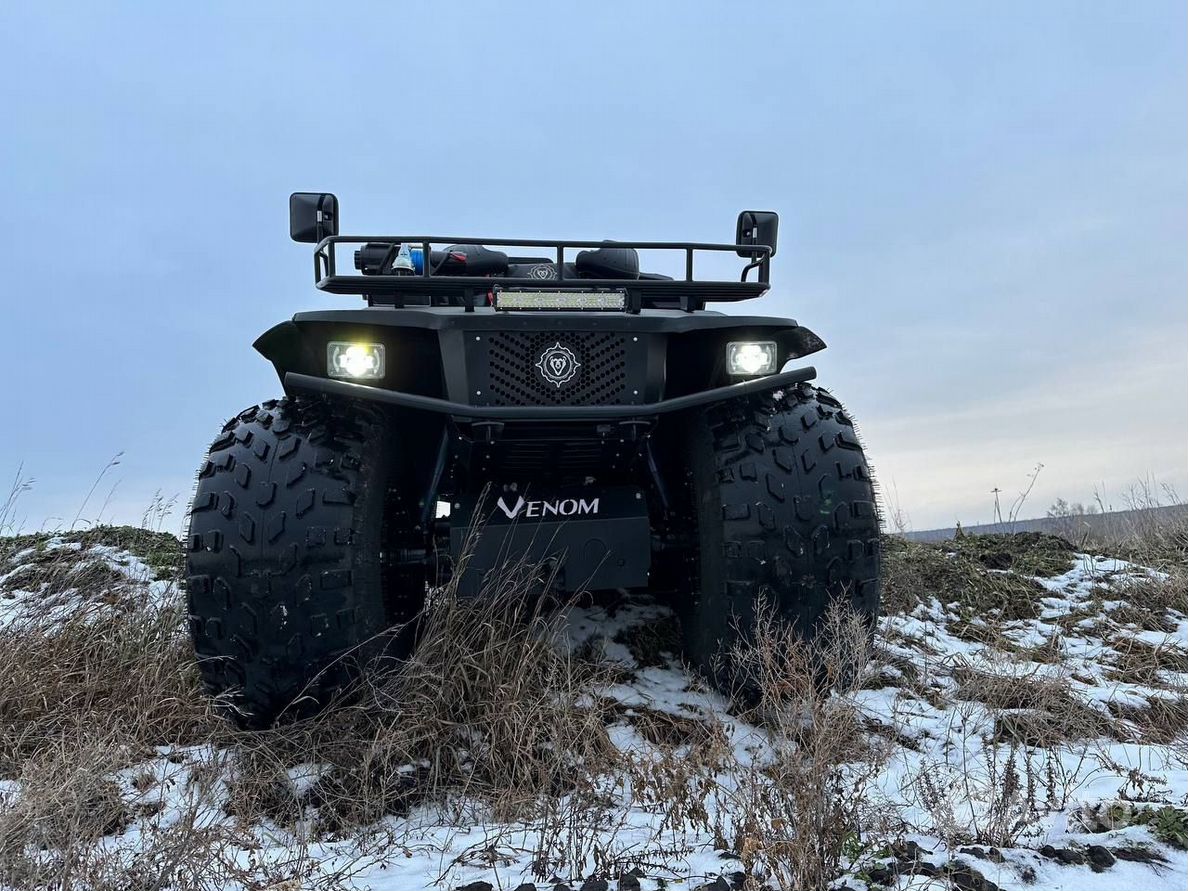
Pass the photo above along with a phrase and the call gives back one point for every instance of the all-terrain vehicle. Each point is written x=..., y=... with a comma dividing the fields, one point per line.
x=572, y=409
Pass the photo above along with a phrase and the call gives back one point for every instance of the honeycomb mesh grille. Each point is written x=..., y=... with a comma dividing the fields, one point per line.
x=601, y=377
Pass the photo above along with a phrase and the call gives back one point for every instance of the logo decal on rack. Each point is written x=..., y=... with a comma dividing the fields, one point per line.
x=543, y=271
x=558, y=365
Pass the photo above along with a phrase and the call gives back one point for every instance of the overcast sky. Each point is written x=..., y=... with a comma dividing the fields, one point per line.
x=984, y=209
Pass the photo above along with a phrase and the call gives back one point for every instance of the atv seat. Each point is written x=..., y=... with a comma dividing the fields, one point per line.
x=469, y=259
x=608, y=262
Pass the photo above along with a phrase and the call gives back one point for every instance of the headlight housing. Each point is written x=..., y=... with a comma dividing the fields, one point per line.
x=355, y=361
x=751, y=358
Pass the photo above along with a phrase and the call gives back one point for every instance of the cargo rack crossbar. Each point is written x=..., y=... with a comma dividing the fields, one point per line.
x=687, y=293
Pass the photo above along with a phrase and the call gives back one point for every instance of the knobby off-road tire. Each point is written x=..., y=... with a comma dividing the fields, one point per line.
x=284, y=556
x=785, y=510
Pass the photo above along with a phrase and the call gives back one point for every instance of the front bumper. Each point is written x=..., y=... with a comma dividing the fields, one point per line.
x=294, y=381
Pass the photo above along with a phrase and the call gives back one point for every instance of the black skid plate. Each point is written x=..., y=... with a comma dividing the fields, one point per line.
x=599, y=537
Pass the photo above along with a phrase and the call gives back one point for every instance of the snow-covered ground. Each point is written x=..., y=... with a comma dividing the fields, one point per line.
x=40, y=584
x=939, y=704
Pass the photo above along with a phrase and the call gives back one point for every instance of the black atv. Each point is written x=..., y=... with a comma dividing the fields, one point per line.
x=579, y=413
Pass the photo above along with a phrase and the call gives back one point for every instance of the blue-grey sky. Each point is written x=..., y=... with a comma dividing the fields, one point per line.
x=983, y=208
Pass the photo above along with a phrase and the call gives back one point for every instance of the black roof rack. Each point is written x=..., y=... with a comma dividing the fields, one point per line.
x=689, y=293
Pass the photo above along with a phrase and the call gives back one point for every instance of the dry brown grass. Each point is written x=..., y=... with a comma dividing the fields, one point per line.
x=1150, y=600
x=1150, y=537
x=992, y=800
x=495, y=680
x=1006, y=763
x=793, y=811
x=70, y=801
x=1031, y=706
x=1163, y=720
x=493, y=715
x=75, y=800
x=91, y=649
x=1155, y=665
x=131, y=672
x=96, y=674
x=497, y=718
x=970, y=576
x=494, y=708
x=492, y=705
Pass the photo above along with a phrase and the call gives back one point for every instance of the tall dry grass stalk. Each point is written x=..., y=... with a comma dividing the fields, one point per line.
x=493, y=709
x=786, y=789
x=798, y=817
x=122, y=663
x=1151, y=530
x=993, y=789
x=66, y=832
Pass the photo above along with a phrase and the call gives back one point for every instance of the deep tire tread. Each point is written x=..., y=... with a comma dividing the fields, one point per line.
x=785, y=506
x=283, y=550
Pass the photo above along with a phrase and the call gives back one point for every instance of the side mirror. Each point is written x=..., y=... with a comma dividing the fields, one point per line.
x=757, y=227
x=312, y=216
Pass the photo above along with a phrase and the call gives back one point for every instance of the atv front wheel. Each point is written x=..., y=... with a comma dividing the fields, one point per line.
x=784, y=505
x=284, y=556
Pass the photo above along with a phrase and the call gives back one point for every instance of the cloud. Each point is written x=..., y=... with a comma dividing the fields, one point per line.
x=1098, y=421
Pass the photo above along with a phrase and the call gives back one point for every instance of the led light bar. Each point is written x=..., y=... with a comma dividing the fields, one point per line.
x=532, y=299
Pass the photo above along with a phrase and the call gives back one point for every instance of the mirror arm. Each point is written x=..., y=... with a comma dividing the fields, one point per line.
x=762, y=262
